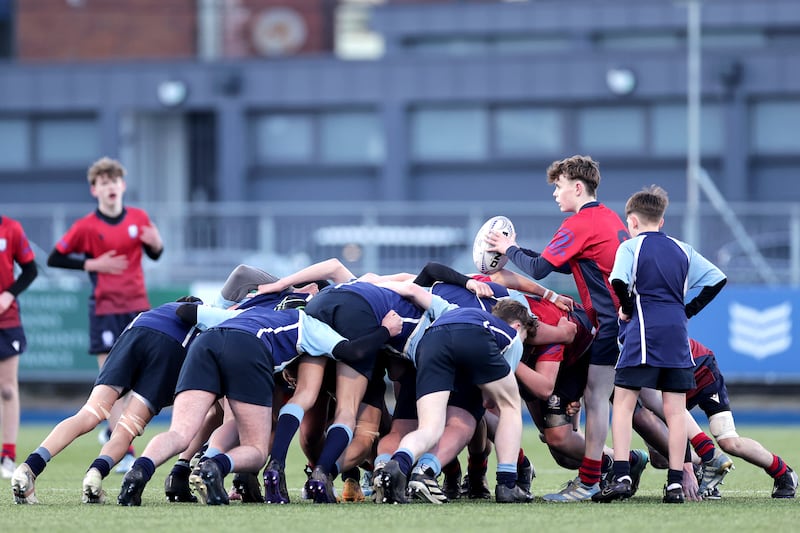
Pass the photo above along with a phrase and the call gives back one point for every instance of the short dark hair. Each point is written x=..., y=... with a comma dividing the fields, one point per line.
x=650, y=204
x=510, y=310
x=577, y=167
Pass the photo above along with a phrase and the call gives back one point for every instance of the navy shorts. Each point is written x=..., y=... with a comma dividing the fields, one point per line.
x=465, y=396
x=351, y=316
x=12, y=342
x=604, y=351
x=460, y=354
x=231, y=363
x=713, y=398
x=147, y=362
x=104, y=330
x=651, y=377
x=570, y=383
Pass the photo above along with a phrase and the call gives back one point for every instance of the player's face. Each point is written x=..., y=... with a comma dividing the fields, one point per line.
x=565, y=193
x=108, y=190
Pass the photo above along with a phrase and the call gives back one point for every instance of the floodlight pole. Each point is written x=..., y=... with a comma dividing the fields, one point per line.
x=691, y=232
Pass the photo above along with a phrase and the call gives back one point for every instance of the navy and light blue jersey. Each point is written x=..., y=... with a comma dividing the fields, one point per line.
x=271, y=300
x=383, y=300
x=659, y=271
x=463, y=297
x=506, y=337
x=164, y=319
x=287, y=334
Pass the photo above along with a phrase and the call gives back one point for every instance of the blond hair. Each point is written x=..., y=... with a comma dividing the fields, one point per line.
x=105, y=166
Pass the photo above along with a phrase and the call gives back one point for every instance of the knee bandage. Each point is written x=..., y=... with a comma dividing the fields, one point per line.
x=99, y=409
x=722, y=425
x=133, y=424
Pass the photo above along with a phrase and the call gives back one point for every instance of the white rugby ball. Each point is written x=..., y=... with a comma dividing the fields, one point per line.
x=490, y=262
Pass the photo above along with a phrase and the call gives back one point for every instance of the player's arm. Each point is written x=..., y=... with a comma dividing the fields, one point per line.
x=433, y=272
x=703, y=273
x=332, y=269
x=539, y=381
x=512, y=280
x=152, y=243
x=411, y=291
x=109, y=262
x=27, y=274
x=319, y=338
x=562, y=333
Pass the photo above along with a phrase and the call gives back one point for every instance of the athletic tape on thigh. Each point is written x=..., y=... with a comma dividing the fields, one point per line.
x=370, y=431
x=722, y=425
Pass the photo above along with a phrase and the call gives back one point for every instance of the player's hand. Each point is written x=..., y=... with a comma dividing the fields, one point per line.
x=6, y=299
x=151, y=237
x=290, y=376
x=565, y=303
x=393, y=322
x=568, y=328
x=573, y=408
x=500, y=243
x=622, y=316
x=691, y=490
x=481, y=289
x=108, y=263
x=270, y=288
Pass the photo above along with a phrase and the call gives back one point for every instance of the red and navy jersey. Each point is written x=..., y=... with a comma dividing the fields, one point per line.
x=96, y=234
x=588, y=242
x=548, y=313
x=14, y=248
x=164, y=319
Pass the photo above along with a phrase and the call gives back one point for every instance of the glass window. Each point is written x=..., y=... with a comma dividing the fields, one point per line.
x=448, y=45
x=635, y=41
x=351, y=137
x=670, y=129
x=449, y=134
x=774, y=128
x=66, y=141
x=283, y=138
x=527, y=131
x=611, y=129
x=512, y=44
x=15, y=140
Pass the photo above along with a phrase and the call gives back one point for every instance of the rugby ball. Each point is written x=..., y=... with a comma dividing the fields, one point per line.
x=490, y=262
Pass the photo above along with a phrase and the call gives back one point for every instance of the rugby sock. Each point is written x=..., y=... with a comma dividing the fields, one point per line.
x=452, y=469
x=381, y=460
x=210, y=453
x=431, y=462
x=131, y=451
x=353, y=473
x=777, y=468
x=181, y=469
x=338, y=438
x=589, y=471
x=224, y=462
x=103, y=464
x=704, y=447
x=405, y=459
x=9, y=450
x=622, y=469
x=520, y=457
x=507, y=474
x=38, y=460
x=289, y=419
x=674, y=477
x=147, y=466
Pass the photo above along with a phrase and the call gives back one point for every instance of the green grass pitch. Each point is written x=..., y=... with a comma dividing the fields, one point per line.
x=746, y=503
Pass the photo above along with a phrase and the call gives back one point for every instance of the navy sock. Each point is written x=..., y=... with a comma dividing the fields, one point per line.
x=353, y=473
x=405, y=461
x=509, y=479
x=621, y=469
x=103, y=464
x=338, y=438
x=224, y=463
x=36, y=463
x=285, y=430
x=147, y=467
x=181, y=469
x=674, y=476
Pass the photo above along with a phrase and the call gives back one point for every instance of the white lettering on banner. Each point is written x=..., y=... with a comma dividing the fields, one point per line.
x=760, y=333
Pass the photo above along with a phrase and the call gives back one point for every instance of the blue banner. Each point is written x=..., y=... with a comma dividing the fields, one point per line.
x=751, y=331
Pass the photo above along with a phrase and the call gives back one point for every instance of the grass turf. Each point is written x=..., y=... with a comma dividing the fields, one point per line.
x=746, y=503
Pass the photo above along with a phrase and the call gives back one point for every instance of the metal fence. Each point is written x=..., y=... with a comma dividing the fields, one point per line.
x=204, y=241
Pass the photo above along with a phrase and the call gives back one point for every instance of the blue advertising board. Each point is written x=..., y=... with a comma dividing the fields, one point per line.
x=751, y=331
